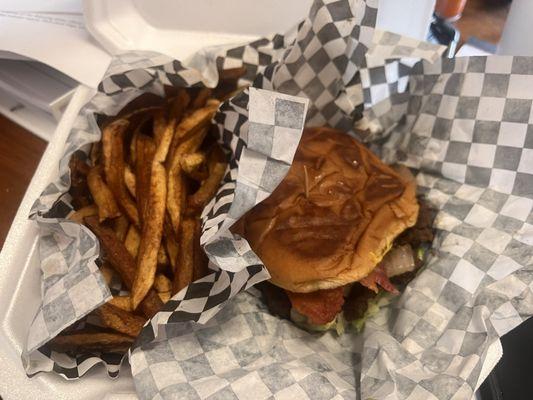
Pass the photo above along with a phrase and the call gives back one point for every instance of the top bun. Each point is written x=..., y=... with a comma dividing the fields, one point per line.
x=334, y=216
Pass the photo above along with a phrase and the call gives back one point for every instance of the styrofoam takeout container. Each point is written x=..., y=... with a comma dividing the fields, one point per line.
x=127, y=25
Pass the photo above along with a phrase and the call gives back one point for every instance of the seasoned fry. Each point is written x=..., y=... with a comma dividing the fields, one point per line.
x=151, y=235
x=133, y=239
x=116, y=253
x=162, y=283
x=217, y=168
x=176, y=197
x=198, y=119
x=201, y=98
x=190, y=163
x=144, y=110
x=178, y=105
x=113, y=148
x=96, y=153
x=160, y=124
x=171, y=244
x=91, y=341
x=163, y=146
x=87, y=211
x=122, y=302
x=132, y=242
x=212, y=103
x=184, y=273
x=227, y=82
x=78, y=163
x=120, y=320
x=121, y=260
x=121, y=226
x=102, y=195
x=143, y=170
x=133, y=155
x=176, y=182
x=162, y=258
x=232, y=74
x=228, y=94
x=79, y=189
x=129, y=180
x=139, y=181
x=152, y=231
x=165, y=296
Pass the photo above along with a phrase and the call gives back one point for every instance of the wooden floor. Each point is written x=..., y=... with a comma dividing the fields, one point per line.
x=20, y=151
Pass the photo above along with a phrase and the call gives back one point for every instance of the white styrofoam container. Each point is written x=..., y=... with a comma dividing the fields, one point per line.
x=175, y=28
x=180, y=28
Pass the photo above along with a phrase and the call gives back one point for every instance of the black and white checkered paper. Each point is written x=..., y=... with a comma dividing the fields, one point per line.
x=464, y=126
x=468, y=132
x=72, y=285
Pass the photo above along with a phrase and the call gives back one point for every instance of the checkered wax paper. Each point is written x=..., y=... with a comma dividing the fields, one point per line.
x=195, y=348
x=385, y=80
x=468, y=132
x=257, y=134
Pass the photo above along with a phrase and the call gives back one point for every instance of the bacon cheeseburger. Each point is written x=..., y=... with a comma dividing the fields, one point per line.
x=336, y=231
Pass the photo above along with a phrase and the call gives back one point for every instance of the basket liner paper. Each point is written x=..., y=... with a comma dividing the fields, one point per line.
x=462, y=125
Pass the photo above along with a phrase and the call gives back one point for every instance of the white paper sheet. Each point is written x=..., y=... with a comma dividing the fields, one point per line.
x=42, y=6
x=58, y=40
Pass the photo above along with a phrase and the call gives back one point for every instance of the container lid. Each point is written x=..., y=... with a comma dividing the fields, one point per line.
x=180, y=28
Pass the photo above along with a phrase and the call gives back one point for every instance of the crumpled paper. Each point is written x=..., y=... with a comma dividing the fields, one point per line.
x=462, y=125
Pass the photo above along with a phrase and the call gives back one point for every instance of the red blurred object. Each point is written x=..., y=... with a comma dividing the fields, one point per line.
x=321, y=306
x=450, y=10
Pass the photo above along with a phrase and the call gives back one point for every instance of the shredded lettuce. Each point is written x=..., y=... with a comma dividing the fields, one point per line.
x=371, y=310
x=301, y=320
x=339, y=324
x=420, y=253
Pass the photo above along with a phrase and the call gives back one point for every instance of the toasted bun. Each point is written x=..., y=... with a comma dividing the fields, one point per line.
x=333, y=217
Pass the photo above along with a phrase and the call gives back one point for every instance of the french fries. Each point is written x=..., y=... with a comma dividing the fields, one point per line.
x=113, y=152
x=102, y=196
x=198, y=119
x=121, y=260
x=152, y=232
x=91, y=341
x=87, y=211
x=190, y=163
x=120, y=320
x=179, y=104
x=141, y=192
x=217, y=168
x=130, y=181
x=133, y=239
x=171, y=244
x=160, y=124
x=184, y=274
x=122, y=302
x=79, y=189
x=201, y=98
x=165, y=296
x=145, y=154
x=162, y=284
x=120, y=226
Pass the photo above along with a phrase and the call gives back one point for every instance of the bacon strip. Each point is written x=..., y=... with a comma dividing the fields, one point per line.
x=378, y=277
x=319, y=307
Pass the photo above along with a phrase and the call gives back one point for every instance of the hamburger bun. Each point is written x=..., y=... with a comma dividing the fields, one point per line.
x=333, y=217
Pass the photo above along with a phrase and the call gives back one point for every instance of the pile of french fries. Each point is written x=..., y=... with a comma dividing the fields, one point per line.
x=141, y=192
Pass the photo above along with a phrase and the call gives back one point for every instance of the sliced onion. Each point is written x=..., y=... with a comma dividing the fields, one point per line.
x=398, y=261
